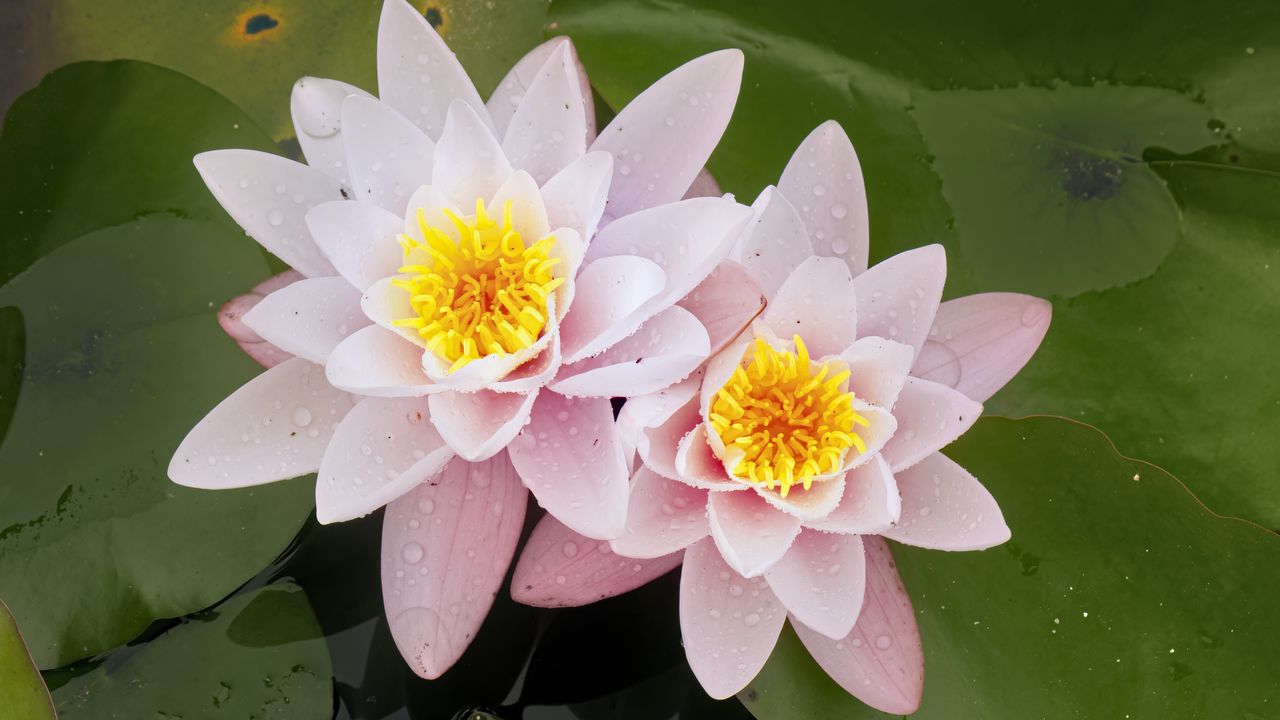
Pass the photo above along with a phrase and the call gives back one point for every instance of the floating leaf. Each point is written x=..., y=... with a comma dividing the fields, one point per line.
x=21, y=687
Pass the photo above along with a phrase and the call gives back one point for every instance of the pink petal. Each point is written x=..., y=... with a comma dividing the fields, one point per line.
x=375, y=361
x=575, y=196
x=607, y=292
x=878, y=369
x=821, y=581
x=897, y=298
x=316, y=107
x=274, y=427
x=817, y=303
x=725, y=303
x=824, y=181
x=534, y=373
x=549, y=128
x=469, y=162
x=308, y=318
x=418, y=74
x=697, y=465
x=750, y=533
x=663, y=137
x=445, y=549
x=246, y=183
x=570, y=457
x=506, y=97
x=704, y=185
x=870, y=503
x=729, y=623
x=645, y=411
x=560, y=568
x=388, y=157
x=946, y=508
x=810, y=505
x=881, y=661
x=664, y=351
x=478, y=425
x=358, y=239
x=930, y=416
x=979, y=342
x=660, y=441
x=774, y=243
x=882, y=428
x=231, y=319
x=381, y=450
x=663, y=517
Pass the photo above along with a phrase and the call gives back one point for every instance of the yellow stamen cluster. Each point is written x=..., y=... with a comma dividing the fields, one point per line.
x=485, y=294
x=791, y=423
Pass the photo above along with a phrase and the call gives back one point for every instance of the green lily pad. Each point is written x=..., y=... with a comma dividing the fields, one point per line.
x=111, y=343
x=1052, y=151
x=253, y=52
x=202, y=668
x=21, y=686
x=1120, y=594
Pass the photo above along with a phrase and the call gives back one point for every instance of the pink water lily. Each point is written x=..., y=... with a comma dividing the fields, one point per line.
x=779, y=469
x=477, y=280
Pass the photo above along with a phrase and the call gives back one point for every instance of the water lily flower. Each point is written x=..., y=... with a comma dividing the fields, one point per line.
x=477, y=280
x=779, y=470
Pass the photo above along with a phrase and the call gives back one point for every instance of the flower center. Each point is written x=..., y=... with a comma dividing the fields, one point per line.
x=485, y=294
x=789, y=419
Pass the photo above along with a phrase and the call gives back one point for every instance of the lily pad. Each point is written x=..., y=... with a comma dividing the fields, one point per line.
x=1120, y=594
x=111, y=337
x=203, y=668
x=1052, y=151
x=23, y=690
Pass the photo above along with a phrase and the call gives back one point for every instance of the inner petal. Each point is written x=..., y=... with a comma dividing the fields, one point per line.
x=483, y=294
x=787, y=419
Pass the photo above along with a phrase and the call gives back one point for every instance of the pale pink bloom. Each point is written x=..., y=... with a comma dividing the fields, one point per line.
x=478, y=280
x=803, y=539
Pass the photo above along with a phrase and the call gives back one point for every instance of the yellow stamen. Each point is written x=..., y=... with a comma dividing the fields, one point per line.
x=485, y=295
x=792, y=421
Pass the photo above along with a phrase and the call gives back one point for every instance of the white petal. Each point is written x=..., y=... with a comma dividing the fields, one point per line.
x=821, y=581
x=469, y=162
x=877, y=369
x=316, y=106
x=823, y=180
x=549, y=128
x=663, y=516
x=930, y=415
x=269, y=197
x=388, y=157
x=725, y=303
x=817, y=303
x=506, y=97
x=870, y=503
x=898, y=298
x=664, y=351
x=946, y=508
x=418, y=74
x=750, y=533
x=774, y=243
x=373, y=361
x=575, y=197
x=479, y=425
x=381, y=450
x=308, y=318
x=359, y=239
x=528, y=214
x=274, y=427
x=810, y=505
x=665, y=135
x=607, y=292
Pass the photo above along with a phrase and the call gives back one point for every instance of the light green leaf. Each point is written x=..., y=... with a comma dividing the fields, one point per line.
x=22, y=691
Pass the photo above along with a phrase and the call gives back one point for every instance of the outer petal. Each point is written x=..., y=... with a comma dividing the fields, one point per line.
x=817, y=303
x=729, y=623
x=660, y=440
x=274, y=427
x=979, y=342
x=751, y=535
x=549, y=129
x=560, y=568
x=382, y=449
x=269, y=197
x=231, y=319
x=308, y=318
x=570, y=457
x=418, y=74
x=374, y=361
x=824, y=180
x=774, y=243
x=878, y=369
x=881, y=662
x=575, y=197
x=821, y=581
x=480, y=424
x=725, y=303
x=316, y=106
x=388, y=157
x=929, y=416
x=665, y=135
x=510, y=92
x=664, y=351
x=704, y=185
x=607, y=292
x=358, y=238
x=946, y=508
x=898, y=298
x=870, y=504
x=469, y=162
x=445, y=549
x=663, y=517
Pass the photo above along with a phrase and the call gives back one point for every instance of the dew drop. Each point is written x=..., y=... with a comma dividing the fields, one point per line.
x=275, y=217
x=570, y=549
x=884, y=642
x=302, y=417
x=426, y=505
x=839, y=211
x=412, y=553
